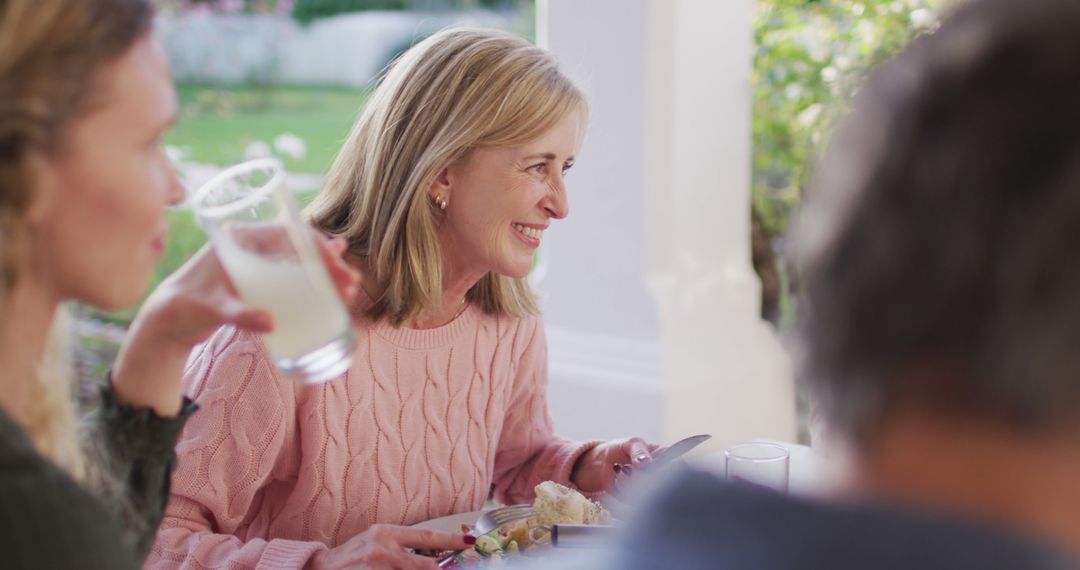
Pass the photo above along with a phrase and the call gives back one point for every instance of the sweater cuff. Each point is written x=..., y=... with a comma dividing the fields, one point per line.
x=565, y=467
x=147, y=431
x=281, y=553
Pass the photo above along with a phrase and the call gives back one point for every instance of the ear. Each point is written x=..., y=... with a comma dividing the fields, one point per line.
x=440, y=186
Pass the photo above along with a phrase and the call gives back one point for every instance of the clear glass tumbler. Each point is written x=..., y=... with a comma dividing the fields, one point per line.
x=758, y=463
x=271, y=257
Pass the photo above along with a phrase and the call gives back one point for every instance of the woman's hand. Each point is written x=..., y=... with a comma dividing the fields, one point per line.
x=597, y=469
x=382, y=547
x=183, y=311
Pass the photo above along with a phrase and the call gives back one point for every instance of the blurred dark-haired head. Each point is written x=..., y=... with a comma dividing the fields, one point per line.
x=938, y=250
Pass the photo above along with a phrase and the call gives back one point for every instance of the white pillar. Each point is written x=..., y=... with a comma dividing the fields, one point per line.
x=726, y=372
x=602, y=319
x=660, y=211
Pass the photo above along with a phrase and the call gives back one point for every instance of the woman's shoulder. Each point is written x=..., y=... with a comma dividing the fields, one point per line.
x=229, y=353
x=527, y=323
x=229, y=340
x=17, y=453
x=59, y=523
x=225, y=347
x=519, y=330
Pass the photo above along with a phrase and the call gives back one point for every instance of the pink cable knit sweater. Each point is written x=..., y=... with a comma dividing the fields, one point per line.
x=270, y=471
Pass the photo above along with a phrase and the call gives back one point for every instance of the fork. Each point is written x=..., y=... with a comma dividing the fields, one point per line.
x=490, y=521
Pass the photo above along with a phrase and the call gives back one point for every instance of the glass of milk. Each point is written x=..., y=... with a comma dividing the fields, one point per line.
x=271, y=257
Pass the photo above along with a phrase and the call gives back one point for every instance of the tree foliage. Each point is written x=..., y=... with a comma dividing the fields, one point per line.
x=810, y=55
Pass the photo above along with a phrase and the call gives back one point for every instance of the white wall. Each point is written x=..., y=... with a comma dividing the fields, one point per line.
x=602, y=321
x=650, y=277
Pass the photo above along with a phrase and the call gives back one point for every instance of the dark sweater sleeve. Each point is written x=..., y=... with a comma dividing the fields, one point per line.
x=131, y=452
x=47, y=521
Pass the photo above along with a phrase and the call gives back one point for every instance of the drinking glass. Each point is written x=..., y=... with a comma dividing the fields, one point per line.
x=761, y=464
x=271, y=257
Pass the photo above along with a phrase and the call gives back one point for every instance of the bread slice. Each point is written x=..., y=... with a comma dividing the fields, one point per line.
x=558, y=504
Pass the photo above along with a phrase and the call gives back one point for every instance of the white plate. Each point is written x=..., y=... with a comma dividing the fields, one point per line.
x=450, y=523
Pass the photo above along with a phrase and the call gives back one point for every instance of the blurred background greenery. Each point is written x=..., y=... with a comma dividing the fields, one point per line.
x=810, y=55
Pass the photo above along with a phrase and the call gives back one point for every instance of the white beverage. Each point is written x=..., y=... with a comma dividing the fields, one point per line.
x=307, y=311
x=272, y=258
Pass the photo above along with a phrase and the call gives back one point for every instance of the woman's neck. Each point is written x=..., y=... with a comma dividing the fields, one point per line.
x=1027, y=481
x=456, y=286
x=24, y=330
x=453, y=303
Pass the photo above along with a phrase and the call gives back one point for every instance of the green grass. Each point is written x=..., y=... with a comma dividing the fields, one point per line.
x=217, y=123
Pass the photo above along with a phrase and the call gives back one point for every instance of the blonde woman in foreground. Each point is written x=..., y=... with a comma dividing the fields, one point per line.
x=85, y=98
x=444, y=189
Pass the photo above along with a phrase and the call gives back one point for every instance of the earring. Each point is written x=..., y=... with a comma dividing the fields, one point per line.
x=440, y=201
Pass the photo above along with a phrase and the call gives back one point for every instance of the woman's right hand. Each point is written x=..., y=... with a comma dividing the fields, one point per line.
x=382, y=547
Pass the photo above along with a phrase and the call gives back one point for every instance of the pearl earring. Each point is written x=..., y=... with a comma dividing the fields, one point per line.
x=440, y=201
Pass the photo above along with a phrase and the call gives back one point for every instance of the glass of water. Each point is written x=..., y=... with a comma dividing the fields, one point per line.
x=273, y=260
x=760, y=464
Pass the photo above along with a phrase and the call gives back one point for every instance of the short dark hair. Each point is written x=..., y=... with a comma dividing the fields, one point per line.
x=942, y=224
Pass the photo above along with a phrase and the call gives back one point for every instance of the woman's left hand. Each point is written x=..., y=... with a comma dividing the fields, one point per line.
x=597, y=469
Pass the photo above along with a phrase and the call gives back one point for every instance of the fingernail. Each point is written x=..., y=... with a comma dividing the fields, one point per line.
x=469, y=539
x=617, y=467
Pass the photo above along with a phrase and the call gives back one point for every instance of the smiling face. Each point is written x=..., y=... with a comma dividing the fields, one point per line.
x=100, y=227
x=502, y=199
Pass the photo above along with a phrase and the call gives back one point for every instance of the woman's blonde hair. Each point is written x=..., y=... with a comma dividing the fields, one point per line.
x=457, y=90
x=50, y=54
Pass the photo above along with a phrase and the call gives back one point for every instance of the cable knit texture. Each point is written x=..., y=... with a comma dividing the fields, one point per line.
x=271, y=471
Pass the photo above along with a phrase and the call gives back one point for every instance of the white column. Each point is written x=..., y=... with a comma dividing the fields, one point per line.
x=656, y=251
x=602, y=320
x=726, y=372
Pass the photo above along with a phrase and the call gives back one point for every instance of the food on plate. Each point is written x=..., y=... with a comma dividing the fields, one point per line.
x=554, y=504
x=557, y=504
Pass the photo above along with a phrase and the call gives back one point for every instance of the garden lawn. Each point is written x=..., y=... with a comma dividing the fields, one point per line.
x=217, y=124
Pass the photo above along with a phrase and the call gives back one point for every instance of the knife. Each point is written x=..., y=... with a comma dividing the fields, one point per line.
x=677, y=450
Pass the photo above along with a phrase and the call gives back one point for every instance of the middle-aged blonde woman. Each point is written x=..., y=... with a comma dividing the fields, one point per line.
x=444, y=189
